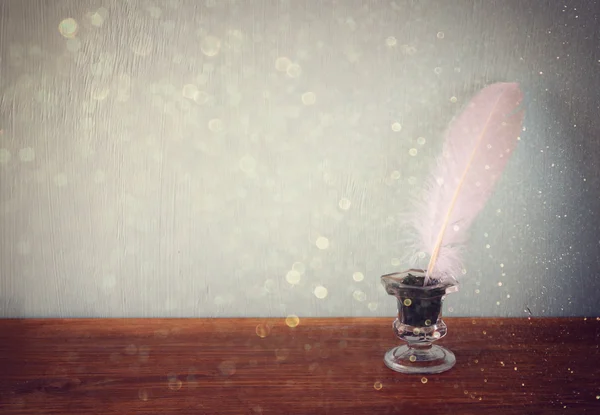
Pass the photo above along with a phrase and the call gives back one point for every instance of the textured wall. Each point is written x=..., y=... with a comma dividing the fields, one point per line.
x=229, y=158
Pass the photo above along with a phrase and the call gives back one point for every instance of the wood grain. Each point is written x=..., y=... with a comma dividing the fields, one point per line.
x=322, y=366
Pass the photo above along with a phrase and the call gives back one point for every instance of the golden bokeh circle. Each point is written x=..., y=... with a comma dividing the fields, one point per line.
x=292, y=321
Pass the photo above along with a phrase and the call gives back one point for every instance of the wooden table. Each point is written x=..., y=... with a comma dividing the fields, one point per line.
x=322, y=366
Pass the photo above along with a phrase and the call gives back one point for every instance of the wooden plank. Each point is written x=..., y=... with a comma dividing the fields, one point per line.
x=322, y=366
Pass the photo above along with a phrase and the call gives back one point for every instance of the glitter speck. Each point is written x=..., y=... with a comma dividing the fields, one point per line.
x=499, y=283
x=359, y=296
x=395, y=175
x=294, y=70
x=416, y=331
x=68, y=28
x=292, y=320
x=141, y=44
x=299, y=267
x=440, y=35
x=281, y=354
x=143, y=394
x=97, y=18
x=201, y=97
x=487, y=246
x=247, y=164
x=437, y=70
x=453, y=100
x=270, y=285
x=189, y=91
x=60, y=179
x=344, y=203
x=109, y=281
x=100, y=93
x=322, y=242
x=428, y=322
x=309, y=98
x=412, y=152
x=293, y=277
x=282, y=63
x=175, y=384
x=358, y=276
x=227, y=367
x=421, y=140
x=73, y=45
x=456, y=228
x=215, y=125
x=27, y=154
x=413, y=358
x=131, y=349
x=262, y=330
x=391, y=41
x=4, y=156
x=407, y=302
x=316, y=263
x=320, y=292
x=423, y=380
x=210, y=45
x=377, y=385
x=396, y=127
x=155, y=12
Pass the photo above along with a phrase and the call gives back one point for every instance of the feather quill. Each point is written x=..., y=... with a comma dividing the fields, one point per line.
x=477, y=146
